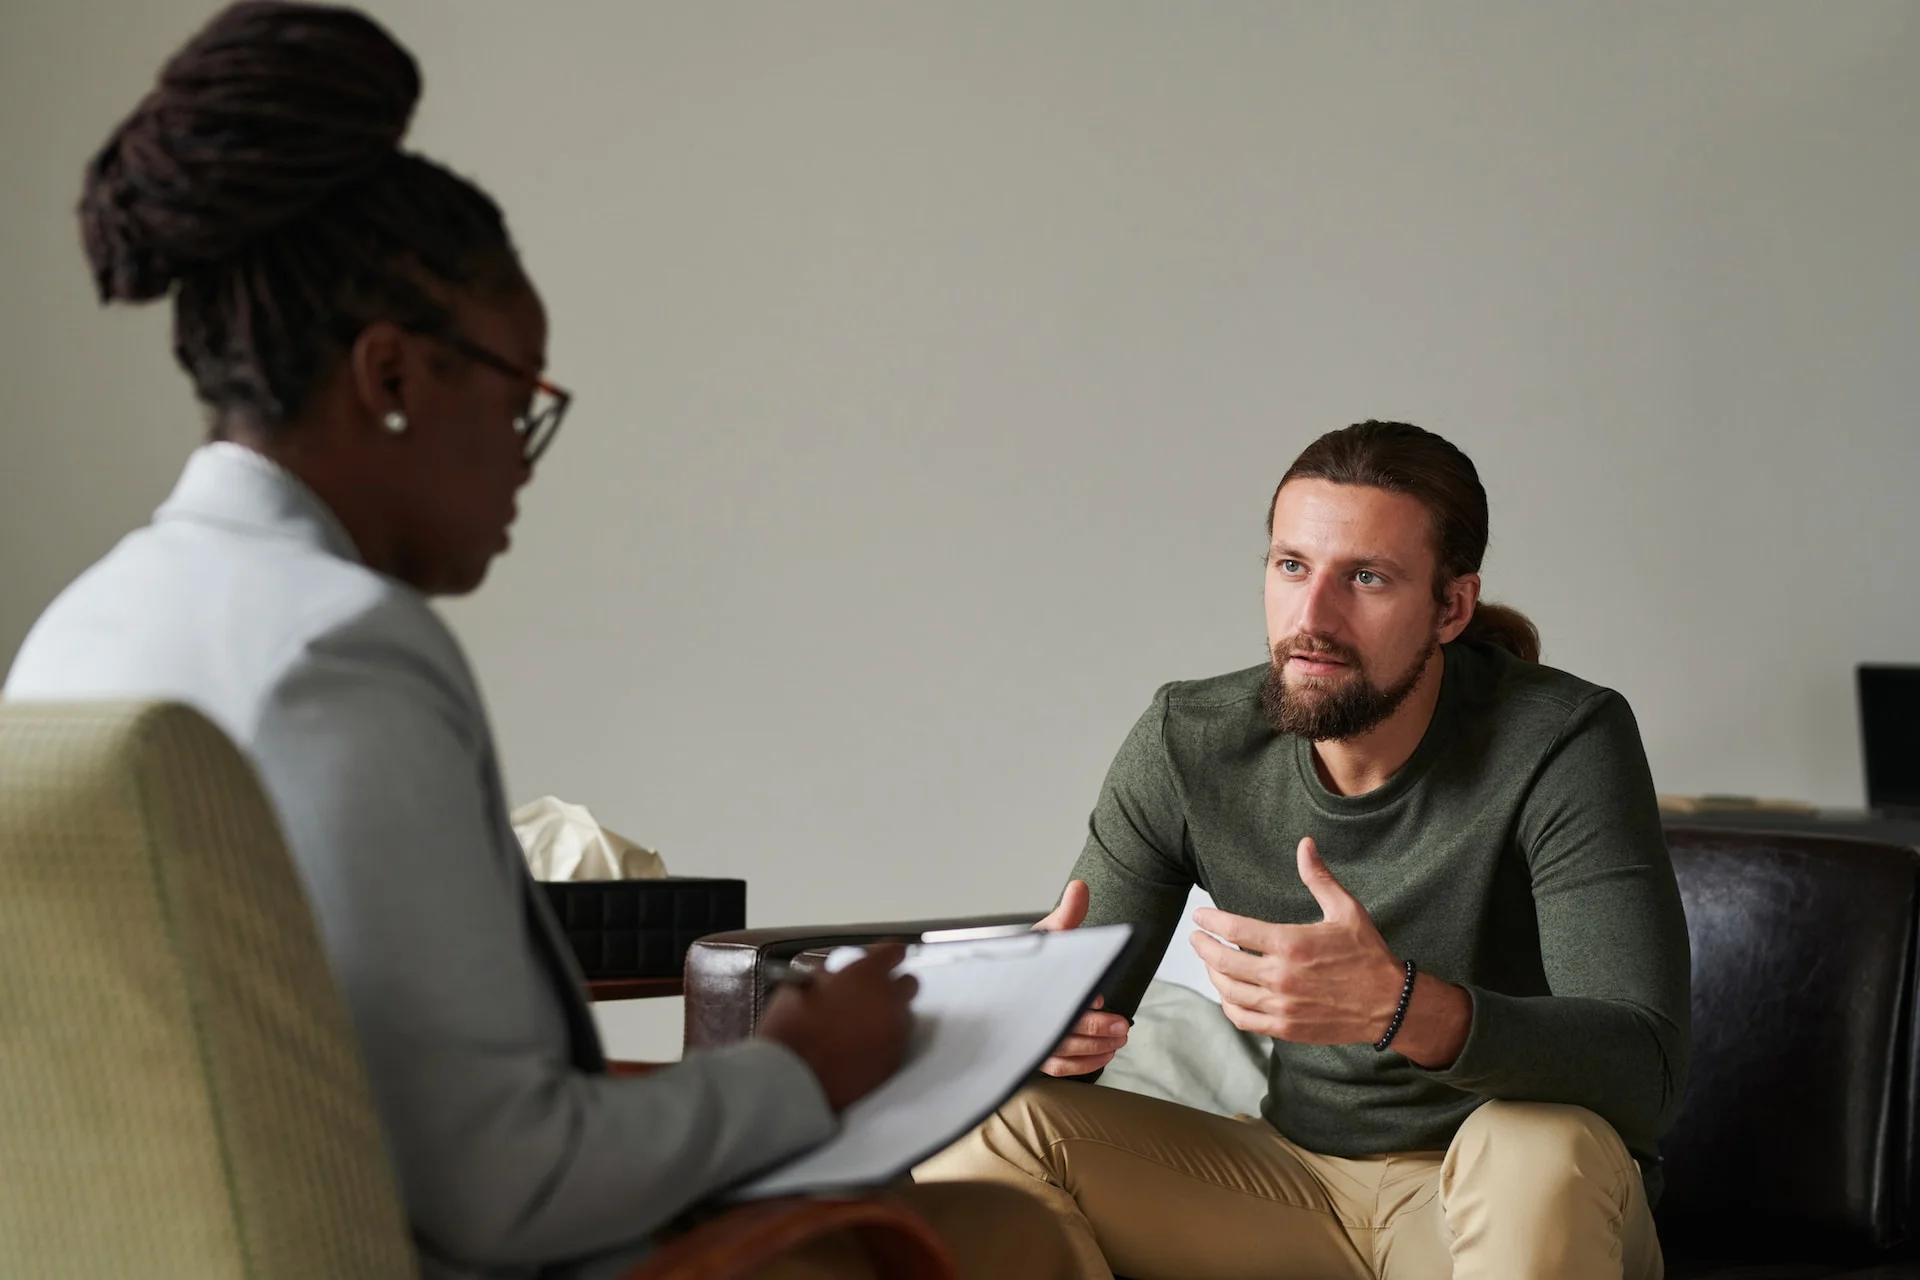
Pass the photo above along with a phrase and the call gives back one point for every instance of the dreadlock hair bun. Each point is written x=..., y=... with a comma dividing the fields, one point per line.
x=262, y=184
x=264, y=114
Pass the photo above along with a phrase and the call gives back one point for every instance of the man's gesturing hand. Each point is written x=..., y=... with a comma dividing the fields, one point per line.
x=1335, y=982
x=1097, y=1036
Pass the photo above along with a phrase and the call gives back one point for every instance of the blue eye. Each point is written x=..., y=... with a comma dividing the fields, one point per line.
x=1366, y=577
x=1288, y=567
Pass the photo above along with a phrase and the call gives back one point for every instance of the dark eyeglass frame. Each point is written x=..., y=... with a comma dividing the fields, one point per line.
x=537, y=430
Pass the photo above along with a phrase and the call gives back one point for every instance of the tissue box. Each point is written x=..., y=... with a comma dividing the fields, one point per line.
x=642, y=928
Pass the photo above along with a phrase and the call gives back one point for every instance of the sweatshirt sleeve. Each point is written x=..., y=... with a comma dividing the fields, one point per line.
x=1136, y=861
x=1614, y=1035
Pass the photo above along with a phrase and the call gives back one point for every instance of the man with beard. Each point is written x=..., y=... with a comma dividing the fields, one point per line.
x=1442, y=890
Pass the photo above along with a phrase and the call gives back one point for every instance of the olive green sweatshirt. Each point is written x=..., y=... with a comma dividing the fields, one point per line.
x=1518, y=853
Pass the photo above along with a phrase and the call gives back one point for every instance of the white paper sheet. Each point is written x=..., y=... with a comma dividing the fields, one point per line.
x=987, y=1013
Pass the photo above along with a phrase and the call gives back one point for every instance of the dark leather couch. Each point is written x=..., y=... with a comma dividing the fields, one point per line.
x=1795, y=1152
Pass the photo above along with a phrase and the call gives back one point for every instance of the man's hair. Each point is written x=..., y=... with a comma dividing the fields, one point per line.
x=1402, y=458
x=261, y=181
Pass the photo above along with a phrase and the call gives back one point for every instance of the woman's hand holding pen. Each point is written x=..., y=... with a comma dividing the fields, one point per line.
x=850, y=1027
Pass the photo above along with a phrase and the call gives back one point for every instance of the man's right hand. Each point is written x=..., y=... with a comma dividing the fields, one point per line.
x=1097, y=1036
x=850, y=1027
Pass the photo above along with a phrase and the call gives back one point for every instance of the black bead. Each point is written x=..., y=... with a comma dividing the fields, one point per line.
x=1399, y=1013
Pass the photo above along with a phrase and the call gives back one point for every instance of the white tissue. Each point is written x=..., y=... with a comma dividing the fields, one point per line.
x=563, y=842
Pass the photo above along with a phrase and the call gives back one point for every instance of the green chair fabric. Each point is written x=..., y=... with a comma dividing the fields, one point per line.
x=180, y=1090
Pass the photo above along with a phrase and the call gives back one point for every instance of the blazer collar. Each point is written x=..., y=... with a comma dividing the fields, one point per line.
x=229, y=484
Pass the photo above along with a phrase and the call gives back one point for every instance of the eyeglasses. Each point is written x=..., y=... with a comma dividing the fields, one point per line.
x=539, y=423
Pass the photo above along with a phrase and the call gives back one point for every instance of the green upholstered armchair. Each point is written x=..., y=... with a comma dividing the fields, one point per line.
x=180, y=1094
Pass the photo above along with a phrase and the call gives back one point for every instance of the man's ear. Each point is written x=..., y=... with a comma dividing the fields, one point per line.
x=1463, y=595
x=378, y=362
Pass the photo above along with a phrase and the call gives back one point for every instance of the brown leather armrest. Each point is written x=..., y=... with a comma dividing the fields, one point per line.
x=738, y=1244
x=726, y=973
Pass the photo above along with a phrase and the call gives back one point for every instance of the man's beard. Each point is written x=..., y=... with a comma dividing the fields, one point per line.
x=1323, y=709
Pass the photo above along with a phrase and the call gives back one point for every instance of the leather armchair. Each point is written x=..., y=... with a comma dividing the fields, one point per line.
x=739, y=1244
x=1795, y=1154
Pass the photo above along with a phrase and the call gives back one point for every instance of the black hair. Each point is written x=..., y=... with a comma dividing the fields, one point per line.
x=262, y=182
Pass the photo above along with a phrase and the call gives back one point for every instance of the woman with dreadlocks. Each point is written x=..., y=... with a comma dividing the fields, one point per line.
x=370, y=351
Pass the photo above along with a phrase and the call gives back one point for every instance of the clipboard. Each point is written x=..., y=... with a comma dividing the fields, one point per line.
x=987, y=1014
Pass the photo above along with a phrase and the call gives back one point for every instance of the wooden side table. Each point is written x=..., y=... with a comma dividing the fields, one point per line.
x=599, y=989
x=1858, y=823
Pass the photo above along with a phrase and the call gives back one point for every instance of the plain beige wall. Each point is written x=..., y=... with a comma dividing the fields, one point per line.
x=935, y=362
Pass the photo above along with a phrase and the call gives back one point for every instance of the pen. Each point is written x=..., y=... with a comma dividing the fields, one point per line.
x=776, y=972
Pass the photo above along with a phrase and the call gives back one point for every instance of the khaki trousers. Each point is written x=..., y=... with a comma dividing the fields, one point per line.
x=1156, y=1191
x=994, y=1232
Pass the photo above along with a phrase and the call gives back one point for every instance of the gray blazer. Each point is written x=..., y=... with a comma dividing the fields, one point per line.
x=516, y=1155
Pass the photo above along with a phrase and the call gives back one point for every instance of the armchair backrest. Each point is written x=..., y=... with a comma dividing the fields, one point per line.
x=1798, y=1115
x=181, y=1093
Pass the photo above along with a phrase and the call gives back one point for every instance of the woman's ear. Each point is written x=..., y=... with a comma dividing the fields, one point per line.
x=378, y=364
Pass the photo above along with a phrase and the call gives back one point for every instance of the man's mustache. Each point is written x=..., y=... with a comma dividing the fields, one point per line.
x=1318, y=646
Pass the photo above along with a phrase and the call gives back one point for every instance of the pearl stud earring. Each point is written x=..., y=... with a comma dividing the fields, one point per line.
x=395, y=421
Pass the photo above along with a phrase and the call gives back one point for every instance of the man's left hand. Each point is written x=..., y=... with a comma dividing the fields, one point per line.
x=1335, y=982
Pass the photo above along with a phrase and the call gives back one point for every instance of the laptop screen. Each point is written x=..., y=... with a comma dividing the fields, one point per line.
x=1890, y=734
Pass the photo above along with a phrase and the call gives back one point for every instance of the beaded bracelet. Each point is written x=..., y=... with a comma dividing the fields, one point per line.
x=1399, y=1014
